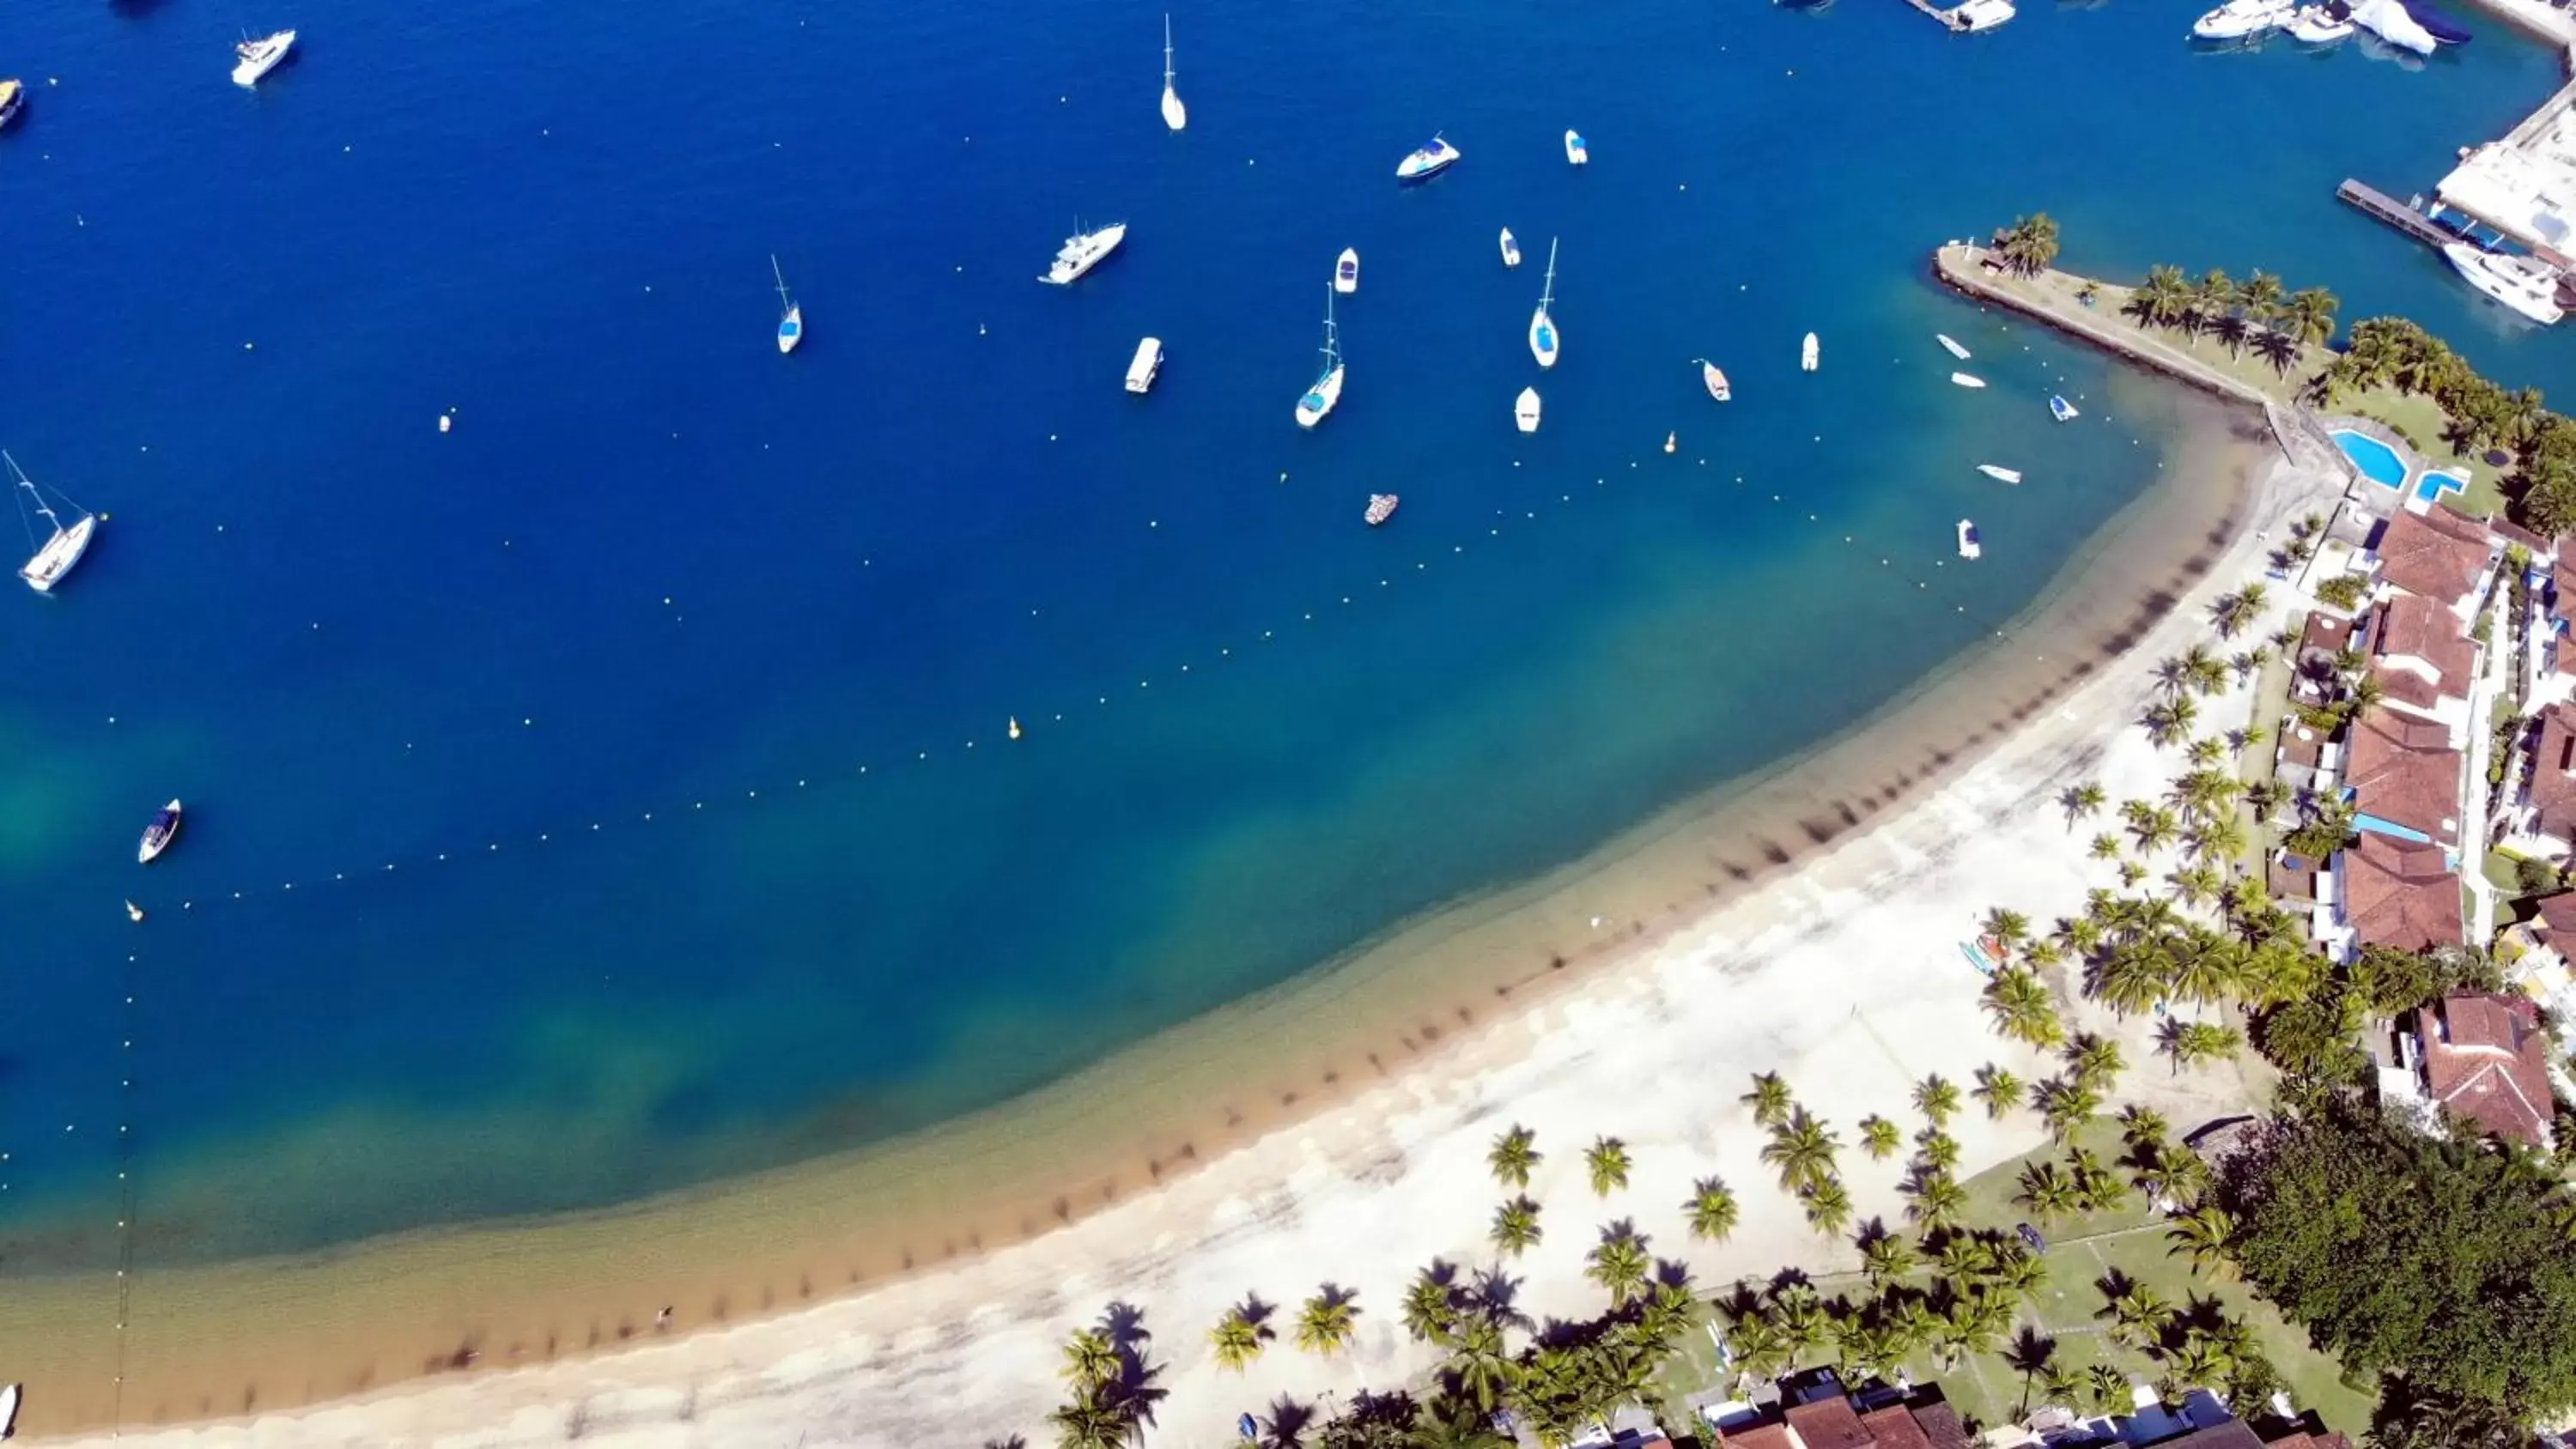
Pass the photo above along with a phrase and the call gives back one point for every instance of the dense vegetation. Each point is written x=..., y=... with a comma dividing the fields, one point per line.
x=2391, y=351
x=2257, y=311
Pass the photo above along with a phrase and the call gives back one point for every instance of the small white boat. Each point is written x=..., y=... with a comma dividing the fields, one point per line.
x=59, y=550
x=1381, y=508
x=1148, y=361
x=1511, y=249
x=1543, y=339
x=1978, y=15
x=1672, y=443
x=2526, y=284
x=1082, y=251
x=1951, y=345
x=1525, y=412
x=1175, y=115
x=791, y=321
x=2321, y=24
x=1430, y=159
x=1346, y=272
x=1327, y=391
x=1967, y=379
x=255, y=58
x=1969, y=547
x=10, y=1394
x=2000, y=475
x=2239, y=19
x=1713, y=377
x=158, y=835
x=1576, y=153
x=2388, y=20
x=13, y=99
x=2060, y=409
x=1807, y=353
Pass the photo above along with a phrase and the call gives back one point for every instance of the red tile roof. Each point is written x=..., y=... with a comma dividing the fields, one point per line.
x=2558, y=916
x=2405, y=772
x=2486, y=1059
x=2553, y=773
x=1828, y=1424
x=1758, y=1436
x=1941, y=1424
x=2325, y=634
x=1894, y=1428
x=2438, y=555
x=2401, y=894
x=2229, y=1435
x=2413, y=628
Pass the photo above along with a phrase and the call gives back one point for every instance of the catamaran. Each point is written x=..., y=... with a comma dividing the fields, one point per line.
x=1175, y=115
x=1327, y=390
x=1082, y=251
x=1511, y=249
x=1542, y=334
x=1433, y=157
x=256, y=58
x=1525, y=412
x=791, y=321
x=1346, y=271
x=1951, y=345
x=1713, y=378
x=158, y=835
x=1576, y=153
x=56, y=553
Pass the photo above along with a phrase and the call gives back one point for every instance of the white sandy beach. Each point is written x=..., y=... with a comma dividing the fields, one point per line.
x=1843, y=974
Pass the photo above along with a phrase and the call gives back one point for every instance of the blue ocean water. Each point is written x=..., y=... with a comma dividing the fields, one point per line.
x=478, y=911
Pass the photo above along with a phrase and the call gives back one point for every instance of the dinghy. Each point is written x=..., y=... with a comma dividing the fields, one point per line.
x=1346, y=272
x=1950, y=345
x=1967, y=379
x=2060, y=409
x=1712, y=377
x=1969, y=547
x=1525, y=412
x=1576, y=153
x=2000, y=475
x=1807, y=353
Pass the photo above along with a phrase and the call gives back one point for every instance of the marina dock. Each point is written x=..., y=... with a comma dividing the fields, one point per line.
x=2428, y=225
x=2517, y=185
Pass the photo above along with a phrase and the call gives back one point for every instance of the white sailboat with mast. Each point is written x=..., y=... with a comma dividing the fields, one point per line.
x=791, y=320
x=1327, y=390
x=55, y=554
x=1542, y=331
x=1175, y=115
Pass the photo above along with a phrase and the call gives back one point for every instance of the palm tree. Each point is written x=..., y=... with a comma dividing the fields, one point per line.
x=1478, y=1370
x=1619, y=1264
x=1936, y=1099
x=2218, y=842
x=1879, y=1138
x=1769, y=1099
x=2022, y=1007
x=2137, y=1313
x=1513, y=1156
x=2260, y=296
x=1803, y=1149
x=2094, y=1061
x=2079, y=801
x=1089, y=1361
x=1453, y=1423
x=2008, y=929
x=1325, y=1324
x=1712, y=1210
x=1239, y=1337
x=1607, y=1160
x=2105, y=1388
x=1829, y=1206
x=2202, y=1236
x=1516, y=1227
x=2105, y=846
x=1089, y=1422
x=2212, y=299
x=2045, y=1191
x=1999, y=1089
x=1937, y=1149
x=2311, y=314
x=1887, y=1258
x=2161, y=298
x=2065, y=1106
x=1933, y=1198
x=1431, y=1304
x=2029, y=244
x=2151, y=829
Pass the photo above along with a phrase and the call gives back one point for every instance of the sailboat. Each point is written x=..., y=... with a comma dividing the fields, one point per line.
x=791, y=322
x=1542, y=337
x=54, y=555
x=1175, y=115
x=1712, y=377
x=1327, y=390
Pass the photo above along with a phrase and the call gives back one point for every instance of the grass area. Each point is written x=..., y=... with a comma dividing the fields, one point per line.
x=2082, y=1249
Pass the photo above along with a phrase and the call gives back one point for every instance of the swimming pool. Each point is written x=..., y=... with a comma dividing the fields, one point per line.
x=2435, y=483
x=2378, y=461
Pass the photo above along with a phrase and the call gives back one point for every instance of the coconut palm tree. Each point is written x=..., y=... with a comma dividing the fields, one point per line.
x=1239, y=1337
x=2260, y=296
x=1999, y=1089
x=2079, y=801
x=2045, y=1192
x=2161, y=299
x=1933, y=1198
x=1936, y=1099
x=1478, y=1371
x=1513, y=1156
x=1326, y=1323
x=2310, y=316
x=1829, y=1206
x=2008, y=929
x=2022, y=1007
x=2150, y=829
x=2218, y=842
x=1937, y=1149
x=1607, y=1162
x=1769, y=1099
x=1879, y=1138
x=1618, y=1263
x=2201, y=1235
x=1089, y=1422
x=1712, y=1210
x=1089, y=1361
x=2029, y=244
x=1803, y=1149
x=2106, y=1389
x=2213, y=301
x=2104, y=846
x=1516, y=1227
x=2065, y=1106
x=2094, y=1061
x=1887, y=1257
x=1431, y=1304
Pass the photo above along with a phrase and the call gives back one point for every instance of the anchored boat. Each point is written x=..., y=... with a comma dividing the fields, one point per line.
x=1511, y=249
x=1175, y=115
x=158, y=835
x=2060, y=409
x=1327, y=390
x=2000, y=475
x=1576, y=153
x=2526, y=284
x=1807, y=353
x=1430, y=159
x=59, y=550
x=13, y=99
x=791, y=320
x=255, y=58
x=1950, y=345
x=1381, y=508
x=1967, y=379
x=1969, y=547
x=1525, y=412
x=1082, y=251
x=1712, y=377
x=1542, y=329
x=1346, y=272
x=1148, y=361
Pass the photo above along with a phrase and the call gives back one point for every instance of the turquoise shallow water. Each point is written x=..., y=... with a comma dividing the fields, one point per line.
x=656, y=569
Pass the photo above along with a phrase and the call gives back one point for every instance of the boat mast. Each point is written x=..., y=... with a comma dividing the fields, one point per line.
x=1332, y=345
x=783, y=298
x=30, y=485
x=1547, y=292
x=1167, y=52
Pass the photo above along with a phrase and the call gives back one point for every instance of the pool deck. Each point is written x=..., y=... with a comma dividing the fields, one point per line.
x=2409, y=488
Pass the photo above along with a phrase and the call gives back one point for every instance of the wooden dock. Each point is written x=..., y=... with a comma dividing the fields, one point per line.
x=2411, y=218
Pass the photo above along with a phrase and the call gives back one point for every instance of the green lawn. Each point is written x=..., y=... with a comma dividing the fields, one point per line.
x=2081, y=1251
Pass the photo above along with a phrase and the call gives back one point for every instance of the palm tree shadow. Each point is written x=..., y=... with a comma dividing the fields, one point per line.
x=1255, y=1311
x=1287, y=1424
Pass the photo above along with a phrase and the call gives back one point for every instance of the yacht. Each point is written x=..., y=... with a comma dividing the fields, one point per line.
x=1543, y=339
x=1967, y=379
x=256, y=58
x=2528, y=286
x=2060, y=409
x=1950, y=345
x=1175, y=115
x=158, y=835
x=2389, y=20
x=1807, y=354
x=1511, y=249
x=1082, y=251
x=1147, y=362
x=2321, y=24
x=2238, y=19
x=1969, y=547
x=1381, y=508
x=1346, y=272
x=1327, y=390
x=60, y=549
x=791, y=317
x=1999, y=474
x=1576, y=153
x=1713, y=378
x=13, y=99
x=1435, y=156
x=1525, y=412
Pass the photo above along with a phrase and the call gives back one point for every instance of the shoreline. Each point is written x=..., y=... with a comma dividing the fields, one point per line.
x=1031, y=1178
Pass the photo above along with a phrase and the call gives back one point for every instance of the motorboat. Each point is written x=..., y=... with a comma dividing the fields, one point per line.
x=1950, y=345
x=2389, y=21
x=1148, y=361
x=1969, y=546
x=1511, y=249
x=1672, y=443
x=2321, y=24
x=1175, y=115
x=60, y=549
x=1967, y=379
x=253, y=59
x=2060, y=409
x=158, y=835
x=1576, y=153
x=1525, y=411
x=791, y=318
x=1430, y=159
x=2240, y=19
x=1713, y=377
x=1381, y=508
x=1543, y=338
x=1082, y=251
x=1346, y=272
x=1978, y=15
x=1807, y=354
x=2000, y=474
x=1327, y=391
x=13, y=99
x=2526, y=284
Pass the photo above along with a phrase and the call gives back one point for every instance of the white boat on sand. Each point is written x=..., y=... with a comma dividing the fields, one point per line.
x=2526, y=284
x=59, y=549
x=1713, y=377
x=253, y=59
x=1327, y=391
x=1807, y=353
x=1967, y=379
x=1543, y=339
x=2000, y=475
x=1525, y=411
x=1082, y=251
x=1950, y=345
x=1511, y=249
x=1175, y=115
x=1346, y=272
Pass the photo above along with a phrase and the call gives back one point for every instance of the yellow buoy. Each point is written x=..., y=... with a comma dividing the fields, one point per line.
x=1015, y=727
